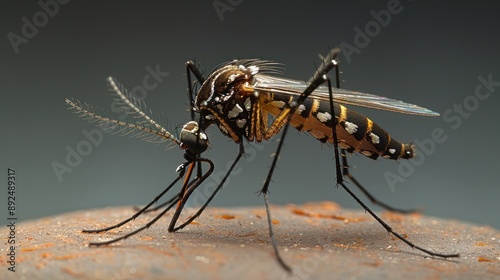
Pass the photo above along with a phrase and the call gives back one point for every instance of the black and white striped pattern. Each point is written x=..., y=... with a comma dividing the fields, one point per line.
x=228, y=99
x=356, y=133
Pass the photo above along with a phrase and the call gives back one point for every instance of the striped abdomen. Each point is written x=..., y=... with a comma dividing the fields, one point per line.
x=355, y=132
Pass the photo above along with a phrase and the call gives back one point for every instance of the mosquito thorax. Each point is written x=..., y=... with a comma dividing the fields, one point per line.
x=192, y=141
x=224, y=99
x=222, y=83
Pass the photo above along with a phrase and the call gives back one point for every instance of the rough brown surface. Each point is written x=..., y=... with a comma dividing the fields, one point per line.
x=319, y=241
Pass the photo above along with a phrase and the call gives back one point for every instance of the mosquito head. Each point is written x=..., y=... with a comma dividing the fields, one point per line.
x=409, y=151
x=193, y=140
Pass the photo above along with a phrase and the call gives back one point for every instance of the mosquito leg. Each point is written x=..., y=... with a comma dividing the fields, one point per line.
x=346, y=173
x=172, y=201
x=340, y=178
x=149, y=224
x=192, y=68
x=266, y=202
x=345, y=166
x=283, y=119
x=139, y=212
x=182, y=196
x=164, y=204
x=316, y=80
x=271, y=234
x=221, y=184
x=340, y=181
x=185, y=196
x=391, y=231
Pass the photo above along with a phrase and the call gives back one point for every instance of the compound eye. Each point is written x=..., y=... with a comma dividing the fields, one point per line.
x=190, y=140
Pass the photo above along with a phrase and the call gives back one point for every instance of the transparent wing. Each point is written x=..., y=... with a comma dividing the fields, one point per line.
x=135, y=122
x=294, y=87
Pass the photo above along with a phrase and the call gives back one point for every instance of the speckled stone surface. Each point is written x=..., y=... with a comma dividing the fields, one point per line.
x=319, y=241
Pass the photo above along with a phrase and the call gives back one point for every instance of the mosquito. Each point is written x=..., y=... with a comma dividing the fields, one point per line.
x=248, y=100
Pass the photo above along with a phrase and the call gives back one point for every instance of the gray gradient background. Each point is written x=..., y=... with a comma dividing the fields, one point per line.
x=429, y=54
